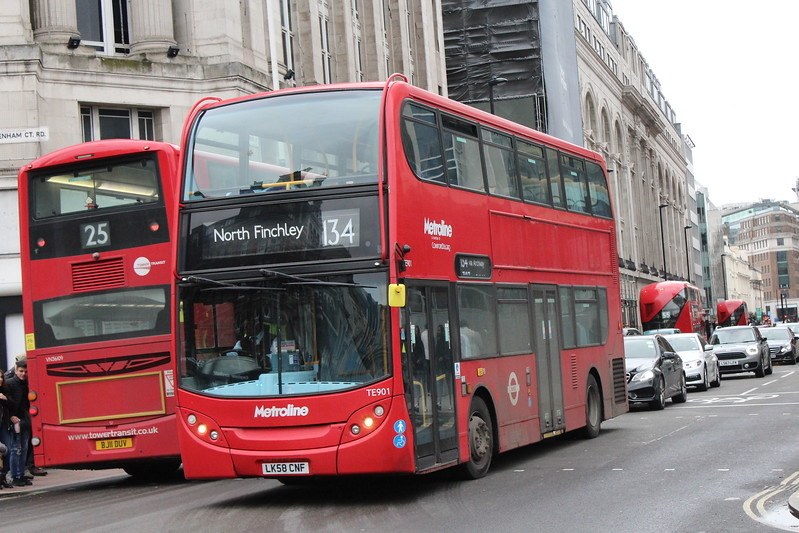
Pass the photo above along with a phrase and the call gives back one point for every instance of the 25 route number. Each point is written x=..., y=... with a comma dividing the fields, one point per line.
x=95, y=234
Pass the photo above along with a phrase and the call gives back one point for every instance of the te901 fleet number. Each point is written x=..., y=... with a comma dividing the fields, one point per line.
x=379, y=391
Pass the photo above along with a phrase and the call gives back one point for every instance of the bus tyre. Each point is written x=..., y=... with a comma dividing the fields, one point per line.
x=481, y=441
x=593, y=409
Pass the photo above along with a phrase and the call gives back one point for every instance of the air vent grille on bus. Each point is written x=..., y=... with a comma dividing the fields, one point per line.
x=619, y=381
x=98, y=275
x=573, y=368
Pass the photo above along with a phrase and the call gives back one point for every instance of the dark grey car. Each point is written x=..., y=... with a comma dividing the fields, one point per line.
x=741, y=349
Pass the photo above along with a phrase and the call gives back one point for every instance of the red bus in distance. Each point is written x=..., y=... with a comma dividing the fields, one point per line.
x=97, y=273
x=376, y=279
x=732, y=313
x=671, y=305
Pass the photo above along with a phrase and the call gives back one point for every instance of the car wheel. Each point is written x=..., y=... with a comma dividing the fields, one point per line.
x=716, y=382
x=770, y=367
x=760, y=371
x=683, y=395
x=792, y=360
x=659, y=402
x=705, y=382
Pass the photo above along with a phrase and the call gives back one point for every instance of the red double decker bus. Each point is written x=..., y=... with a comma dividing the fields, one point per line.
x=671, y=305
x=97, y=273
x=376, y=279
x=732, y=313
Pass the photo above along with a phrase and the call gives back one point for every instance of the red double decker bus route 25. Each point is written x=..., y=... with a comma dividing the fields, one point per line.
x=376, y=279
x=97, y=273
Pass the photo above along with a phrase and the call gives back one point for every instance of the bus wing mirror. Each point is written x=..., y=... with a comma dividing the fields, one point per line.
x=396, y=295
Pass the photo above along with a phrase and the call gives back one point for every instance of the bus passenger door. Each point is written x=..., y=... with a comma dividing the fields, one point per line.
x=548, y=369
x=427, y=319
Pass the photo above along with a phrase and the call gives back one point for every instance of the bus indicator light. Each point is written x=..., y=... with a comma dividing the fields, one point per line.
x=32, y=396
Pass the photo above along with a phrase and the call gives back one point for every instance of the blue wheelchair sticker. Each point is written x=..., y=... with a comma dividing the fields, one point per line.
x=399, y=441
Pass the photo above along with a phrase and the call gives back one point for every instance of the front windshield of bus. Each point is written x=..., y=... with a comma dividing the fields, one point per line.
x=286, y=142
x=284, y=335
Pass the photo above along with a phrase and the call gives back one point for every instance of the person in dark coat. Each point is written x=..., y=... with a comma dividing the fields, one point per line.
x=6, y=431
x=17, y=388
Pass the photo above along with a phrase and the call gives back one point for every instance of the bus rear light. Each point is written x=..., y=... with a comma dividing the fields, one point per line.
x=36, y=441
x=40, y=242
x=33, y=410
x=154, y=226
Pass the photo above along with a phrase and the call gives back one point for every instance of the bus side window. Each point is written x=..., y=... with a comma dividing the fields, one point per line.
x=555, y=185
x=598, y=189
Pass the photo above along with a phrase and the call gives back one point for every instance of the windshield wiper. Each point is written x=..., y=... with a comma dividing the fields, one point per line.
x=196, y=280
x=291, y=279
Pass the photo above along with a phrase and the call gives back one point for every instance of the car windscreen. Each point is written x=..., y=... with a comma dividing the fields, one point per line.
x=776, y=334
x=643, y=348
x=684, y=343
x=733, y=336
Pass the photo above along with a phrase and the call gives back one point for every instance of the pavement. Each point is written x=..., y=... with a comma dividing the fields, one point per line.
x=57, y=478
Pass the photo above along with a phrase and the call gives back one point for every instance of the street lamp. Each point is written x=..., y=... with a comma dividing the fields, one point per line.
x=687, y=257
x=491, y=83
x=724, y=274
x=662, y=239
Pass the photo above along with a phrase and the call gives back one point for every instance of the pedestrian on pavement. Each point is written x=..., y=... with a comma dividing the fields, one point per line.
x=6, y=431
x=17, y=388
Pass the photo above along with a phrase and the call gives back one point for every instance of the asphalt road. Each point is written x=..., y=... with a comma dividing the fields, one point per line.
x=725, y=461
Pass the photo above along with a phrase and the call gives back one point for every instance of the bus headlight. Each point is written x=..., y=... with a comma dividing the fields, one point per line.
x=365, y=420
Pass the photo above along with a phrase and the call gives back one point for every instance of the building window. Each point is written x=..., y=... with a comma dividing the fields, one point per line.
x=287, y=32
x=103, y=25
x=100, y=123
x=327, y=55
x=356, y=30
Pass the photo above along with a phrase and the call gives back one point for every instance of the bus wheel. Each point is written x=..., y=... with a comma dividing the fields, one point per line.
x=481, y=441
x=155, y=470
x=593, y=409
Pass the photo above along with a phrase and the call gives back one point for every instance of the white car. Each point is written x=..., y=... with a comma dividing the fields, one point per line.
x=700, y=364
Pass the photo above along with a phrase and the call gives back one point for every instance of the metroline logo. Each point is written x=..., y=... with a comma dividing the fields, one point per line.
x=289, y=410
x=437, y=229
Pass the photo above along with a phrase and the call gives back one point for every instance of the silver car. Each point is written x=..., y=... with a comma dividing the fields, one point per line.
x=700, y=364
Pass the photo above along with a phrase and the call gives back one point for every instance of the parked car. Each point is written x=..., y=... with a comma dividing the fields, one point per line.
x=663, y=331
x=631, y=331
x=741, y=349
x=700, y=364
x=781, y=342
x=654, y=371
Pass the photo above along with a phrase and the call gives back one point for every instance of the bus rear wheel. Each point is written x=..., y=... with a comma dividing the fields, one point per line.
x=593, y=409
x=481, y=441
